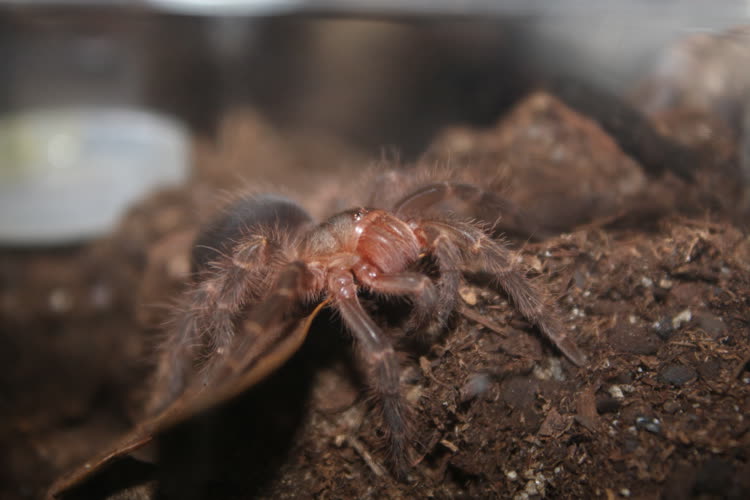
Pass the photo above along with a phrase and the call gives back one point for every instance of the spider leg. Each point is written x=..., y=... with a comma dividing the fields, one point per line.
x=206, y=322
x=490, y=256
x=488, y=206
x=270, y=336
x=174, y=365
x=237, y=251
x=381, y=368
x=449, y=262
x=235, y=281
x=432, y=194
x=425, y=296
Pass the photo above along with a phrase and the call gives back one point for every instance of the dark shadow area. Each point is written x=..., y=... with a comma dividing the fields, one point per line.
x=236, y=450
x=122, y=474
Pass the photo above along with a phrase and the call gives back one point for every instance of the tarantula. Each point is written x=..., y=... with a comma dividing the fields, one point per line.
x=265, y=257
x=264, y=263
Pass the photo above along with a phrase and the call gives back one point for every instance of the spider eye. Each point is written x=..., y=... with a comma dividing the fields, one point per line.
x=358, y=214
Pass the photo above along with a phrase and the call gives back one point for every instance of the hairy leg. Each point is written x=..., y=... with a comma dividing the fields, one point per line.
x=265, y=341
x=204, y=326
x=420, y=288
x=450, y=264
x=235, y=281
x=235, y=253
x=487, y=255
x=381, y=369
x=503, y=214
x=175, y=362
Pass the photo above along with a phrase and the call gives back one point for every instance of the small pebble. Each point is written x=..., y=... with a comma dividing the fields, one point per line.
x=665, y=283
x=553, y=371
x=710, y=324
x=663, y=328
x=652, y=425
x=677, y=374
x=646, y=282
x=616, y=392
x=682, y=318
x=468, y=295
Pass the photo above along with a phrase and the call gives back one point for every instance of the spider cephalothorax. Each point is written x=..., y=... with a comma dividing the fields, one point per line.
x=258, y=264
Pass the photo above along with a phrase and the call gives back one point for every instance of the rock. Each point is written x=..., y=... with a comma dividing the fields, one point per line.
x=663, y=328
x=650, y=424
x=711, y=324
x=633, y=339
x=677, y=374
x=681, y=318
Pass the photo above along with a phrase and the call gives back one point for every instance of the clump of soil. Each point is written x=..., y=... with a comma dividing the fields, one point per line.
x=651, y=274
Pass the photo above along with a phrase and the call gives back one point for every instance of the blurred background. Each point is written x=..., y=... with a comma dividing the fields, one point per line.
x=97, y=91
x=124, y=123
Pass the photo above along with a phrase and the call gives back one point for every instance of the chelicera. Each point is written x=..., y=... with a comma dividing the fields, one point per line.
x=258, y=265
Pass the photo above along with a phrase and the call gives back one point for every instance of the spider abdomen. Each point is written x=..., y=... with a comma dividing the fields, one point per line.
x=244, y=216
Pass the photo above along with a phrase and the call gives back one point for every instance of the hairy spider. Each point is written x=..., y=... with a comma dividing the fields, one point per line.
x=259, y=264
